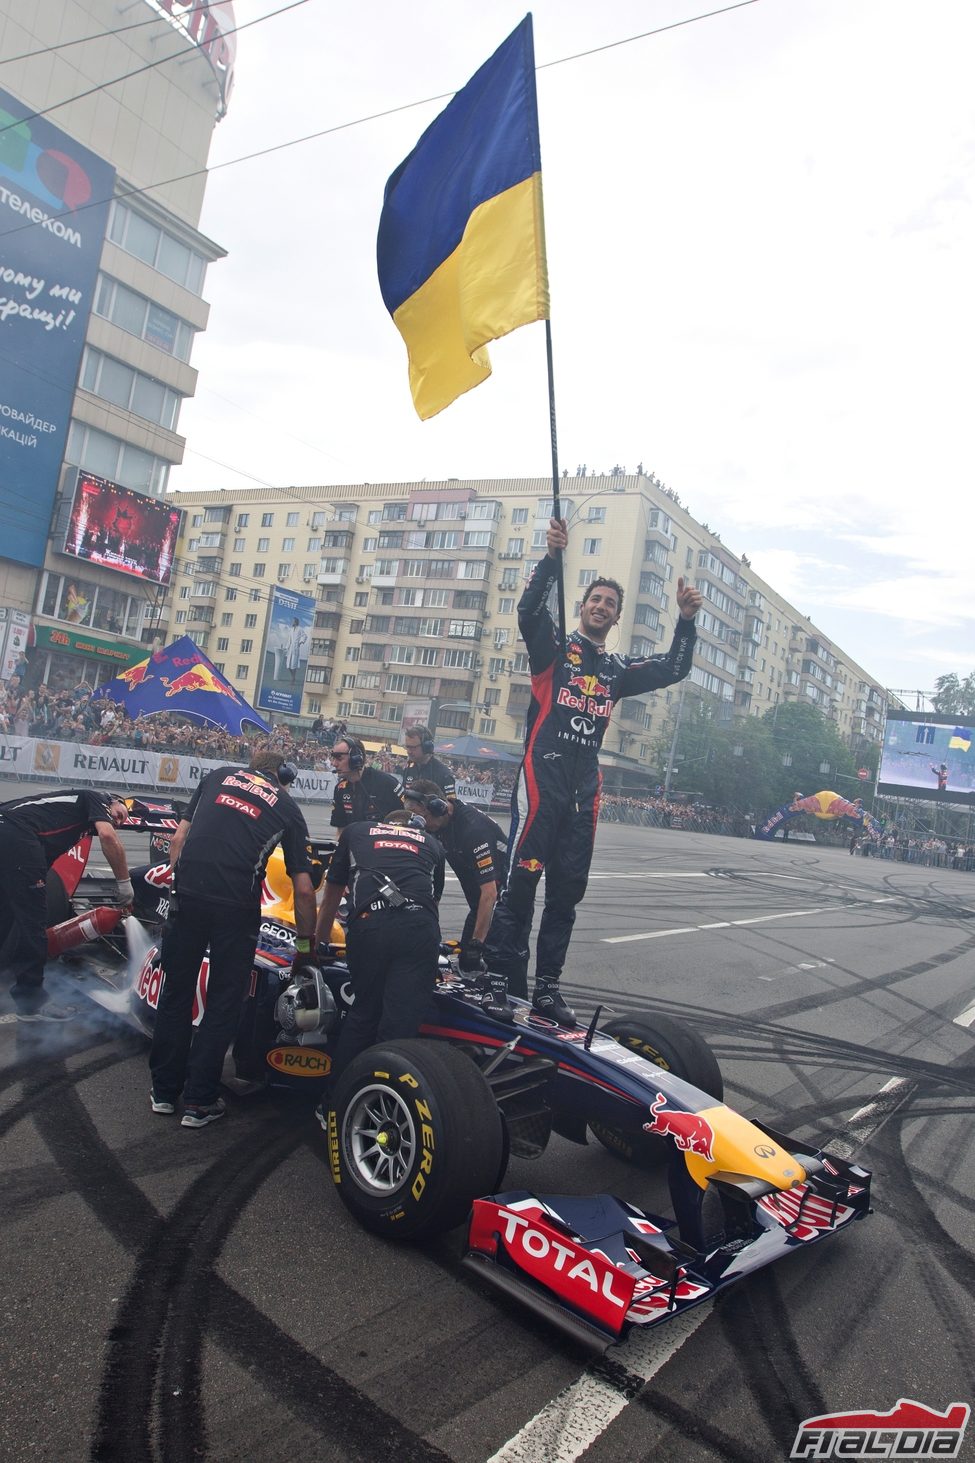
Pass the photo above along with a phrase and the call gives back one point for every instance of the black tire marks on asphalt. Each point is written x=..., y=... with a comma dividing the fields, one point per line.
x=173, y=1286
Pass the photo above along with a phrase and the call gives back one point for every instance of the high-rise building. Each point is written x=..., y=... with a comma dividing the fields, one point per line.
x=415, y=588
x=106, y=117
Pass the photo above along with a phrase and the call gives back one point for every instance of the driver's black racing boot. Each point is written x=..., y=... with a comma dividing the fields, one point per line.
x=494, y=998
x=547, y=1001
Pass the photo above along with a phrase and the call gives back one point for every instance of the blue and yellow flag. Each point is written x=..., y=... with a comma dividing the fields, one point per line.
x=461, y=245
x=961, y=739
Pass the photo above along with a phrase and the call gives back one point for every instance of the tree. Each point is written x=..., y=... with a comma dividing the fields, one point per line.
x=953, y=696
x=802, y=734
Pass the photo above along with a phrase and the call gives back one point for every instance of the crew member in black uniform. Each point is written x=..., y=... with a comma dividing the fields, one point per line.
x=218, y=853
x=361, y=791
x=476, y=850
x=34, y=832
x=393, y=874
x=555, y=803
x=423, y=764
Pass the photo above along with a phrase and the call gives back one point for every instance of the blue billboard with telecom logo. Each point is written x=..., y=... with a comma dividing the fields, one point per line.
x=54, y=202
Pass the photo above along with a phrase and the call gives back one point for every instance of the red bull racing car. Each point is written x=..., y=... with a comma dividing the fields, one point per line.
x=419, y=1132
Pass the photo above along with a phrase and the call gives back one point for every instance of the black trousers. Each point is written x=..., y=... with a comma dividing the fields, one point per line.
x=554, y=810
x=23, y=915
x=182, y=1061
x=392, y=956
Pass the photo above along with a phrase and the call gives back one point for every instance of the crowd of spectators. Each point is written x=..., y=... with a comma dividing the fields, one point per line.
x=77, y=715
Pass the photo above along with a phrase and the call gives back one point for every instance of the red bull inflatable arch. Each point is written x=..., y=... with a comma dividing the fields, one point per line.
x=181, y=678
x=826, y=806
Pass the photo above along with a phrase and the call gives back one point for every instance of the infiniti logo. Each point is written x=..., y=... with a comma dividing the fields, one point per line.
x=580, y=724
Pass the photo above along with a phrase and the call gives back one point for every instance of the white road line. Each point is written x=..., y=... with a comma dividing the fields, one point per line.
x=966, y=1018
x=803, y=965
x=695, y=874
x=867, y=1119
x=758, y=919
x=573, y=1420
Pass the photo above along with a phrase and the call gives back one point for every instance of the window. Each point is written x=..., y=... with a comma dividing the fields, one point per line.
x=352, y=652
x=130, y=389
x=428, y=656
x=243, y=519
x=139, y=316
x=229, y=594
x=120, y=462
x=284, y=571
x=243, y=671
x=477, y=540
x=181, y=617
x=287, y=545
x=267, y=520
x=592, y=545
x=487, y=726
x=597, y=515
x=235, y=570
x=197, y=520
x=586, y=576
x=539, y=539
x=223, y=643
x=263, y=544
x=255, y=596
x=506, y=606
x=250, y=622
x=520, y=515
x=258, y=572
x=240, y=545
x=315, y=544
x=148, y=242
x=246, y=646
x=515, y=546
x=292, y=520
x=466, y=569
x=226, y=618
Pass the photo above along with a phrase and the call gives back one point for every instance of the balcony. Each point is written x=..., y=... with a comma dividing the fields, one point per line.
x=656, y=536
x=331, y=571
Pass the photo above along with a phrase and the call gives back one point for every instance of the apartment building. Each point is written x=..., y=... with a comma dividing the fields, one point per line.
x=416, y=587
x=108, y=117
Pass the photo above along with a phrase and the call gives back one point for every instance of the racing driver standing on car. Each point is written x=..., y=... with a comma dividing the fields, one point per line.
x=34, y=832
x=575, y=685
x=218, y=856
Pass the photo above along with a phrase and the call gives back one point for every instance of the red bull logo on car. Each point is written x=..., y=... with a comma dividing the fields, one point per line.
x=690, y=1132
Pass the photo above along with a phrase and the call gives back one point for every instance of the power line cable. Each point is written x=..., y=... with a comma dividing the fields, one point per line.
x=371, y=117
x=149, y=65
x=103, y=35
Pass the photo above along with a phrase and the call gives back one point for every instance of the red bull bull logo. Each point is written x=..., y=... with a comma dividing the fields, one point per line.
x=198, y=678
x=690, y=1132
x=135, y=674
x=533, y=865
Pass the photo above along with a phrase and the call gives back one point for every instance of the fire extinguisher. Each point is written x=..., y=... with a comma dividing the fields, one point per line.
x=88, y=926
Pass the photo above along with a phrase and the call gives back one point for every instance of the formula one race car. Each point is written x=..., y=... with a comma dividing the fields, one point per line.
x=419, y=1132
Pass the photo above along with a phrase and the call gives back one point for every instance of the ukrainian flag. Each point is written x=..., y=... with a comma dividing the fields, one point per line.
x=461, y=245
x=960, y=739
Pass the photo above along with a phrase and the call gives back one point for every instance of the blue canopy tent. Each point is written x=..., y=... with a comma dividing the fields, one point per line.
x=182, y=679
x=474, y=749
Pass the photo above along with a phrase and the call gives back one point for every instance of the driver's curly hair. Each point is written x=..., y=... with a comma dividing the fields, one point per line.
x=605, y=584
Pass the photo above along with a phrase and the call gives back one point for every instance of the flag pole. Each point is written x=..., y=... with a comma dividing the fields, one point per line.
x=556, y=506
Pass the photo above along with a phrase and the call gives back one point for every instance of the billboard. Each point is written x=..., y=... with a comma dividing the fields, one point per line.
x=54, y=202
x=119, y=529
x=286, y=646
x=927, y=756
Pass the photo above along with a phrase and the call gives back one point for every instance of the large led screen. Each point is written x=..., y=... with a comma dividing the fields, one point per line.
x=926, y=756
x=119, y=529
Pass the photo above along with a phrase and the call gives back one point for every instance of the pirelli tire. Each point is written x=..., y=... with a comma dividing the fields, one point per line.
x=415, y=1137
x=677, y=1048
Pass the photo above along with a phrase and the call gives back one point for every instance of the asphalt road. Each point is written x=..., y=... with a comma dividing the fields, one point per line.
x=173, y=1295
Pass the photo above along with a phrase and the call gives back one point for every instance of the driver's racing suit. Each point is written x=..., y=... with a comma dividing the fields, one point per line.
x=555, y=802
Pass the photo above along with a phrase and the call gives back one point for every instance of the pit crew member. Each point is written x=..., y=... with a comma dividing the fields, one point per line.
x=476, y=850
x=34, y=832
x=423, y=764
x=555, y=804
x=361, y=792
x=393, y=875
x=218, y=854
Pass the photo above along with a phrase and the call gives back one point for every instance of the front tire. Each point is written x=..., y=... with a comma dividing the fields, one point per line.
x=675, y=1047
x=415, y=1137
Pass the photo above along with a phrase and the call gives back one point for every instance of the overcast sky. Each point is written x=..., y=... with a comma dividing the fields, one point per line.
x=760, y=244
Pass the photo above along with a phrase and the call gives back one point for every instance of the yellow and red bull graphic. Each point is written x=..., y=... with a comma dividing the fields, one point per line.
x=588, y=694
x=197, y=677
x=135, y=674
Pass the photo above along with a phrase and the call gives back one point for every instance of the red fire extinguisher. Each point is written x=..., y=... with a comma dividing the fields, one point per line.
x=88, y=926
